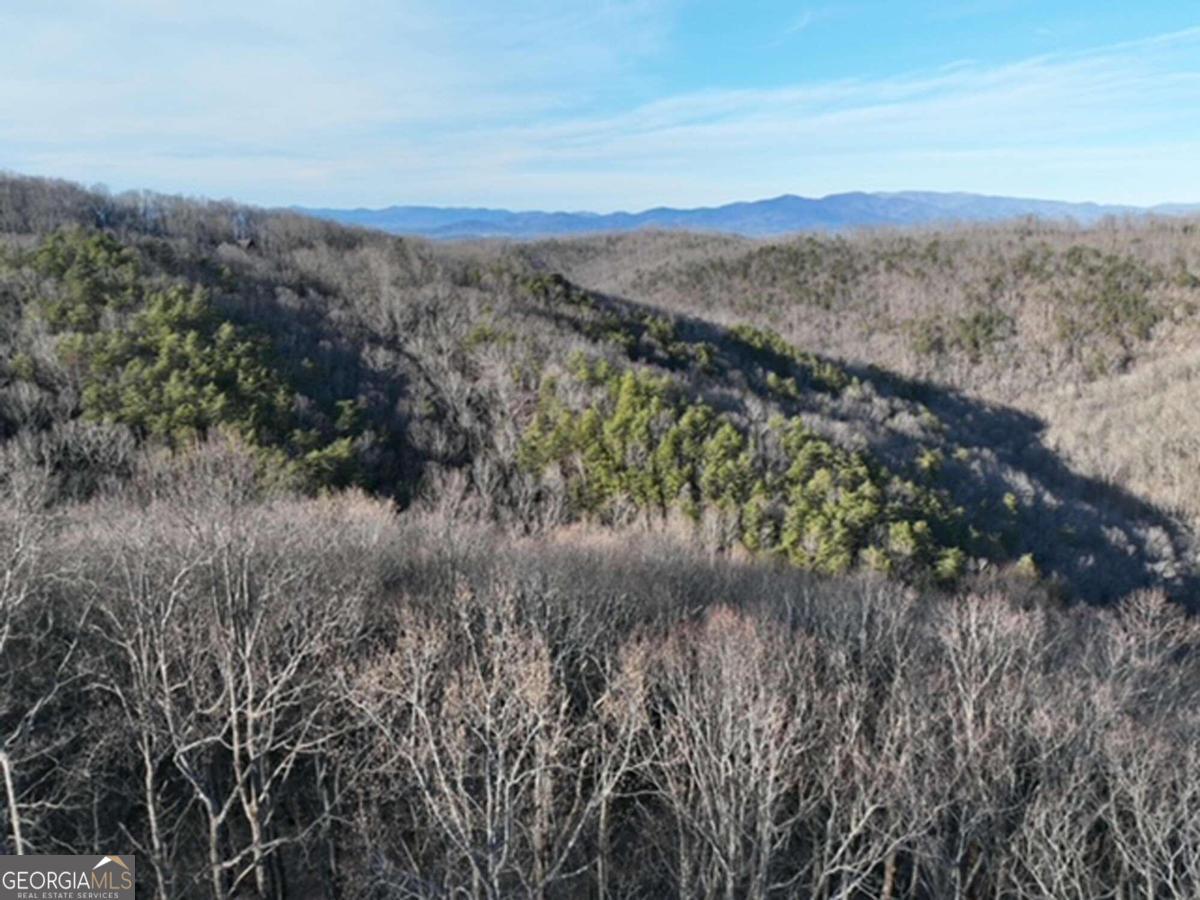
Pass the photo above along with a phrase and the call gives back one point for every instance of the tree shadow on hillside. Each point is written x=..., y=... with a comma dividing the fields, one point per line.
x=1101, y=539
x=322, y=361
x=1097, y=539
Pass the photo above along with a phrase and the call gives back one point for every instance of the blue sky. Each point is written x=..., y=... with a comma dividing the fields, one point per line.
x=607, y=104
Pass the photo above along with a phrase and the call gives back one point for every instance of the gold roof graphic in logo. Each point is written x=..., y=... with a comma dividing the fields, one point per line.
x=104, y=860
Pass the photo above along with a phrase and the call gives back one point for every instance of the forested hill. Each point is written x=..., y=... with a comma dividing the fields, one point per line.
x=761, y=218
x=339, y=565
x=482, y=377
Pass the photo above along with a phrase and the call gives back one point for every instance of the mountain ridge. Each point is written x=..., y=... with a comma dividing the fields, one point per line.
x=784, y=214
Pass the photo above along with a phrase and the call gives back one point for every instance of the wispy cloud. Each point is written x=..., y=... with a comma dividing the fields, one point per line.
x=447, y=101
x=800, y=23
x=1020, y=127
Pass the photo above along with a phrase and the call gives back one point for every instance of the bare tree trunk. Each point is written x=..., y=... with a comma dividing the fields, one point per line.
x=10, y=798
x=603, y=849
x=215, y=872
x=889, y=877
x=542, y=799
x=329, y=860
x=150, y=793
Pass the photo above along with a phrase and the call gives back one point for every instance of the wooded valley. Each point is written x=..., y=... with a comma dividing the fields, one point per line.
x=335, y=564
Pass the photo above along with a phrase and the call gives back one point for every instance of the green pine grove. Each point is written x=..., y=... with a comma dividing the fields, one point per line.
x=783, y=490
x=163, y=362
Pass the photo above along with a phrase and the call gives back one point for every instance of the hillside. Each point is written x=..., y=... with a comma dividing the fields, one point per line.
x=762, y=218
x=685, y=389
x=1088, y=332
x=343, y=565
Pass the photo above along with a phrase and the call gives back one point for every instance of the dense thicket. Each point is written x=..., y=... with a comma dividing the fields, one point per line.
x=338, y=565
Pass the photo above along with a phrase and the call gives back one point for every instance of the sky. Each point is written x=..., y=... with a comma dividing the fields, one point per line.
x=604, y=104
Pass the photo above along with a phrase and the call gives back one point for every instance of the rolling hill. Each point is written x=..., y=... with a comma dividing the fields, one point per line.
x=777, y=216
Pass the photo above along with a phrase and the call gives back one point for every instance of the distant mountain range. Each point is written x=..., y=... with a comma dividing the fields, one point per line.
x=760, y=218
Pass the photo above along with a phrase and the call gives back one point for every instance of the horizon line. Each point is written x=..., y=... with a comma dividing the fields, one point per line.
x=100, y=187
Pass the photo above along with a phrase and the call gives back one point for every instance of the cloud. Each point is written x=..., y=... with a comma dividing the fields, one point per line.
x=295, y=69
x=554, y=104
x=1118, y=103
x=800, y=23
x=807, y=18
